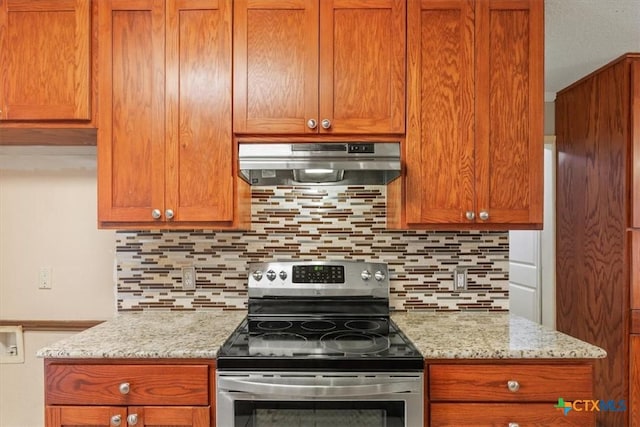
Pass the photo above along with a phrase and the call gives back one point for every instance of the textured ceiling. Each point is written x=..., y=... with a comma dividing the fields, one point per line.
x=583, y=35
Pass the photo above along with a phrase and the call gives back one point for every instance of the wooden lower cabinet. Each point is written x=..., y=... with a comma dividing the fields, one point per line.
x=111, y=416
x=126, y=393
x=514, y=395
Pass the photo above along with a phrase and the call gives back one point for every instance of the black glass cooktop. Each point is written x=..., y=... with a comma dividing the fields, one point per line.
x=364, y=344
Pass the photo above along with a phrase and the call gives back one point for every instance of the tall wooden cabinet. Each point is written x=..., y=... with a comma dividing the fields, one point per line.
x=474, y=148
x=598, y=226
x=310, y=66
x=165, y=147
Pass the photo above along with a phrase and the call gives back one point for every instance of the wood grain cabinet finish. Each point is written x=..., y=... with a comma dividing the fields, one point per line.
x=598, y=228
x=45, y=52
x=508, y=394
x=127, y=395
x=310, y=66
x=165, y=152
x=474, y=148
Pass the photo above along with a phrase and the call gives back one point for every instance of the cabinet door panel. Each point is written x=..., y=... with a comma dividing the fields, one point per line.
x=440, y=136
x=275, y=66
x=362, y=65
x=131, y=131
x=199, y=174
x=44, y=51
x=87, y=416
x=635, y=144
x=496, y=414
x=509, y=127
x=634, y=381
x=172, y=416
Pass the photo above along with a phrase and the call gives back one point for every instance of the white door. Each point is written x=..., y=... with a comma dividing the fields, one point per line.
x=532, y=257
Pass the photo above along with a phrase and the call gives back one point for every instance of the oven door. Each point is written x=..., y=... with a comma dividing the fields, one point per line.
x=295, y=399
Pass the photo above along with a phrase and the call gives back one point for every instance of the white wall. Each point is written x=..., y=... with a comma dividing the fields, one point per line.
x=48, y=219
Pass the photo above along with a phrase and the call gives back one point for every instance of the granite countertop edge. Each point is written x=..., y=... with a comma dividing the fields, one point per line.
x=199, y=335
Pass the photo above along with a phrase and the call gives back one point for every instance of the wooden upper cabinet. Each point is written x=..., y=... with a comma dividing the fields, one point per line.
x=474, y=146
x=45, y=57
x=165, y=143
x=330, y=66
x=509, y=111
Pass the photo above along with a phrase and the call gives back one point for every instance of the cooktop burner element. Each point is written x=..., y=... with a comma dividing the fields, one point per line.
x=319, y=316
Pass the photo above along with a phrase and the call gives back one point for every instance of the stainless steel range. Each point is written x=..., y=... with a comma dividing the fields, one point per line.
x=318, y=348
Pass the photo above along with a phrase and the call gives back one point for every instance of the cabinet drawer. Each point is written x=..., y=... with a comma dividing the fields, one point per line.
x=505, y=414
x=489, y=383
x=108, y=384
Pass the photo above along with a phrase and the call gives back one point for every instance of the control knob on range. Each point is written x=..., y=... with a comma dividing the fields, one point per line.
x=257, y=275
x=379, y=275
x=271, y=275
x=283, y=274
x=365, y=275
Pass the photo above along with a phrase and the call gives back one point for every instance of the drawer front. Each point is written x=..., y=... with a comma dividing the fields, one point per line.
x=126, y=385
x=506, y=414
x=490, y=383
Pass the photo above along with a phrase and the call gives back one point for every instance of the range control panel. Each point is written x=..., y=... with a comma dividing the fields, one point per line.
x=318, y=278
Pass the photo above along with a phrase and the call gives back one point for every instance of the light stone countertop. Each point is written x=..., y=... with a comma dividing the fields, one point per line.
x=188, y=335
x=473, y=335
x=155, y=335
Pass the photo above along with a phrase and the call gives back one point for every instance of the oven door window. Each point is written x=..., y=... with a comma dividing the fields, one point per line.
x=264, y=413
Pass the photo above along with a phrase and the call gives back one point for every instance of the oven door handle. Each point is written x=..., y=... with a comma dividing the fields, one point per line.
x=313, y=390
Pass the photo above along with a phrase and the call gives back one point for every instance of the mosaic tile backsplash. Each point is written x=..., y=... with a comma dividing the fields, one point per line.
x=309, y=223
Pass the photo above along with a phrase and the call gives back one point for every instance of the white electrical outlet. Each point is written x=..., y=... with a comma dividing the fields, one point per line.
x=189, y=278
x=460, y=279
x=44, y=278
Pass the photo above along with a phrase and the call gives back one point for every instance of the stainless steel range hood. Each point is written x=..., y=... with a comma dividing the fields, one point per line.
x=319, y=163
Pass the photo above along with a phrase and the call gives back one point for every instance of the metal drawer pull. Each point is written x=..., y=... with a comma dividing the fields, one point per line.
x=116, y=420
x=470, y=215
x=132, y=419
x=124, y=388
x=311, y=124
x=156, y=214
x=513, y=386
x=514, y=425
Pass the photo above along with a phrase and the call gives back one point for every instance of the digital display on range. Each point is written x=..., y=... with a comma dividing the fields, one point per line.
x=318, y=274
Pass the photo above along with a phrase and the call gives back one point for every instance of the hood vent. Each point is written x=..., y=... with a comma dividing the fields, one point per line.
x=319, y=163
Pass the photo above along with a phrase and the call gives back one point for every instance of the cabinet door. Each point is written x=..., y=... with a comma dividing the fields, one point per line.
x=506, y=414
x=634, y=139
x=199, y=167
x=171, y=416
x=440, y=135
x=362, y=66
x=275, y=66
x=44, y=51
x=131, y=143
x=94, y=416
x=634, y=381
x=509, y=109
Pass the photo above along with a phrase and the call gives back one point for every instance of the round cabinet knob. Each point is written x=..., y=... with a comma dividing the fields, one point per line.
x=271, y=275
x=283, y=274
x=132, y=419
x=365, y=275
x=116, y=420
x=379, y=275
x=470, y=215
x=124, y=388
x=312, y=123
x=156, y=214
x=326, y=124
x=514, y=425
x=484, y=215
x=257, y=275
x=513, y=386
x=169, y=214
